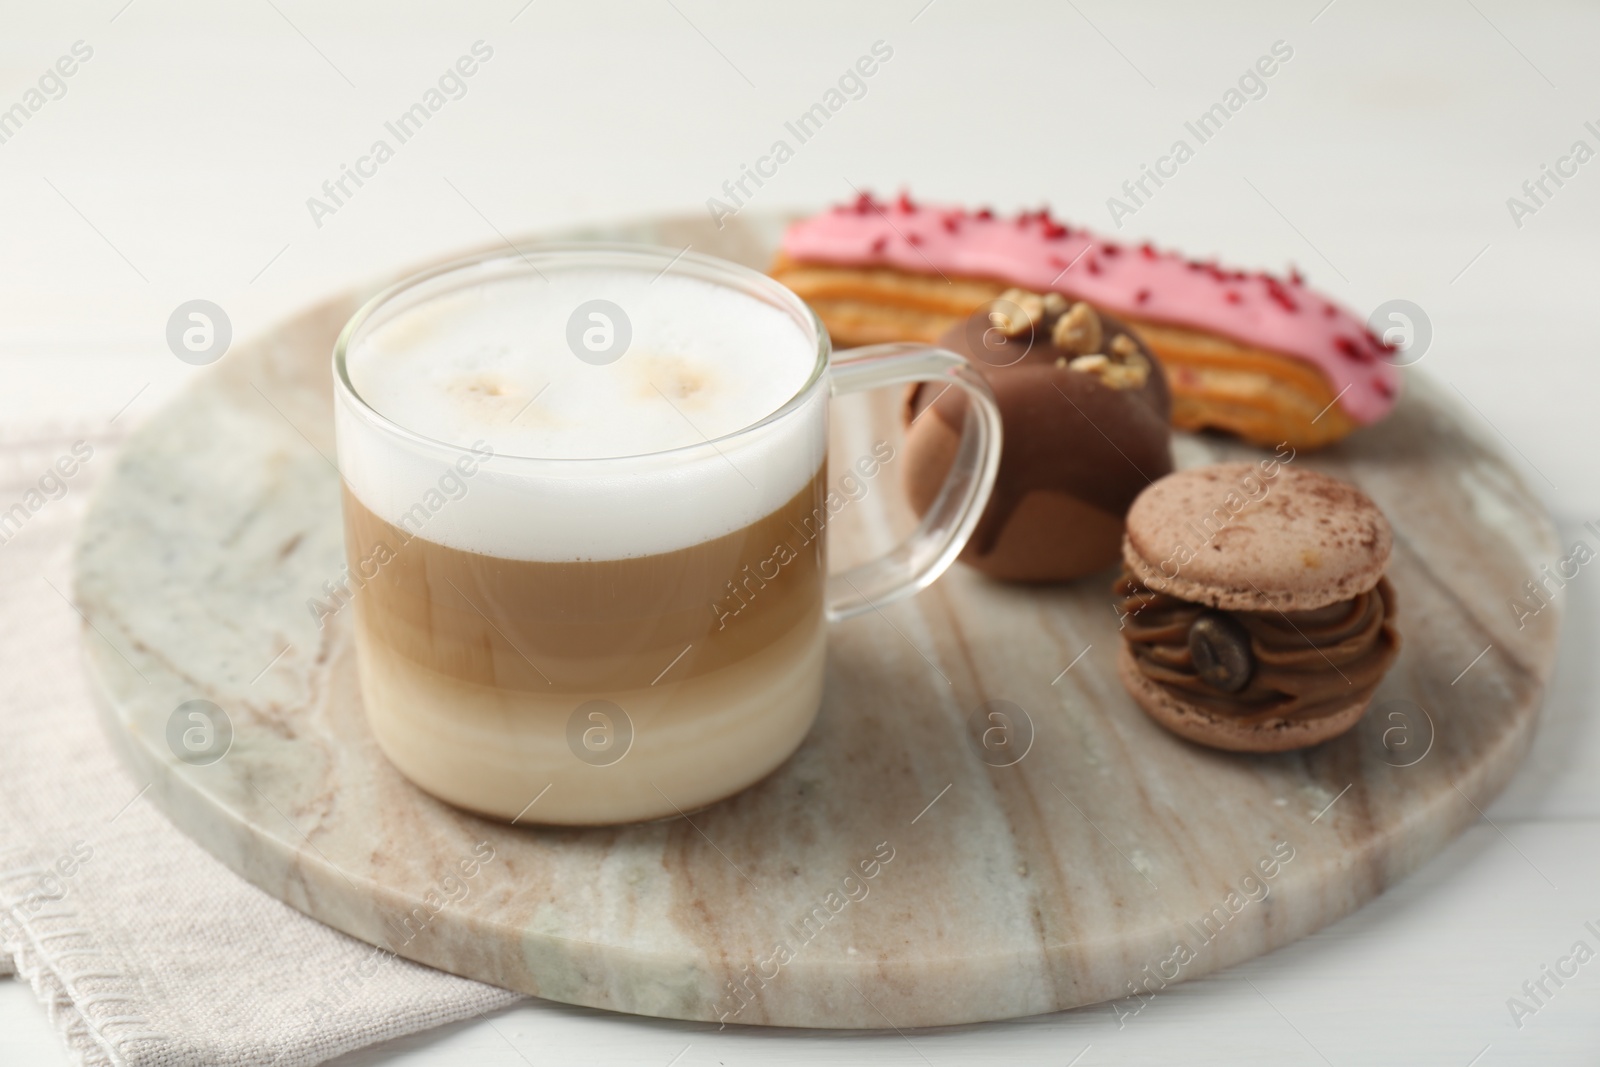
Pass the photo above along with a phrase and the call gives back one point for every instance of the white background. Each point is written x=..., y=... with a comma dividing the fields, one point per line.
x=1380, y=161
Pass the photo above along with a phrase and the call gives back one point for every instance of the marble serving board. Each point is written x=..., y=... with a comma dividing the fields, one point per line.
x=919, y=861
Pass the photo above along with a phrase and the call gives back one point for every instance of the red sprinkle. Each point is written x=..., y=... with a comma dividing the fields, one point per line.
x=1147, y=250
x=985, y=213
x=1330, y=311
x=905, y=204
x=1384, y=388
x=1141, y=296
x=1295, y=278
x=1110, y=249
x=915, y=238
x=952, y=223
x=1093, y=265
x=880, y=244
x=1280, y=295
x=1350, y=350
x=1233, y=297
x=1052, y=231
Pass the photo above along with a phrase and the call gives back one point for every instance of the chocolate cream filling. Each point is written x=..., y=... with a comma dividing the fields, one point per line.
x=1301, y=664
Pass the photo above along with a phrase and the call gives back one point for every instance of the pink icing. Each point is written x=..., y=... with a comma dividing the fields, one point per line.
x=1035, y=252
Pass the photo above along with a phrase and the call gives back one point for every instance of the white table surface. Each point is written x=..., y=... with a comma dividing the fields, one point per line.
x=1380, y=160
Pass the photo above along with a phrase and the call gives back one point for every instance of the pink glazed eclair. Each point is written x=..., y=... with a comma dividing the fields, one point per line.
x=1248, y=353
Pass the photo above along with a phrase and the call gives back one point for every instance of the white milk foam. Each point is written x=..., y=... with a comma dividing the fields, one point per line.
x=704, y=361
x=489, y=366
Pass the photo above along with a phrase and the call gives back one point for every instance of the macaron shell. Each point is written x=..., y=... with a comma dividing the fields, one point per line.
x=1265, y=536
x=1203, y=727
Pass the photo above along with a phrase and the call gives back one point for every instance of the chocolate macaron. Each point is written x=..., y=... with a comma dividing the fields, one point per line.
x=1085, y=409
x=1253, y=605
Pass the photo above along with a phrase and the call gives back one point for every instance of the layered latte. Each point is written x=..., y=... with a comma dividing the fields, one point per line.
x=595, y=586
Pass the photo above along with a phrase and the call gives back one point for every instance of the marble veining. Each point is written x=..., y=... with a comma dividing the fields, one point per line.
x=891, y=873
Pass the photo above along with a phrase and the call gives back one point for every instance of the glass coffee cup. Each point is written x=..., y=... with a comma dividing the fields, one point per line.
x=585, y=509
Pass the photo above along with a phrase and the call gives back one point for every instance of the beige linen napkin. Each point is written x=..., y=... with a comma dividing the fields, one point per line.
x=144, y=949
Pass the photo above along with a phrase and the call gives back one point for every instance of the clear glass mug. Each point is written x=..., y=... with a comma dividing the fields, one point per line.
x=511, y=668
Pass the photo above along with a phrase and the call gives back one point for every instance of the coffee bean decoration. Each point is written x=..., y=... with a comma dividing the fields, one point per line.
x=1220, y=648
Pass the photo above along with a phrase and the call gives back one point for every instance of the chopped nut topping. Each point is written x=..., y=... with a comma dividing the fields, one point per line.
x=1090, y=364
x=1125, y=347
x=1078, y=331
x=1055, y=303
x=1127, y=377
x=1016, y=311
x=1130, y=375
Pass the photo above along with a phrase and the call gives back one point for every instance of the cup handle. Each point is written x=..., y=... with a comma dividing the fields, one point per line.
x=913, y=564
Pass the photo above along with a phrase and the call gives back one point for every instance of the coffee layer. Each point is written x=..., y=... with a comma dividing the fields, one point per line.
x=592, y=626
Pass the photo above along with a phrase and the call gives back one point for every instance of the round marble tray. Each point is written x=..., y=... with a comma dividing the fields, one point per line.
x=895, y=872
